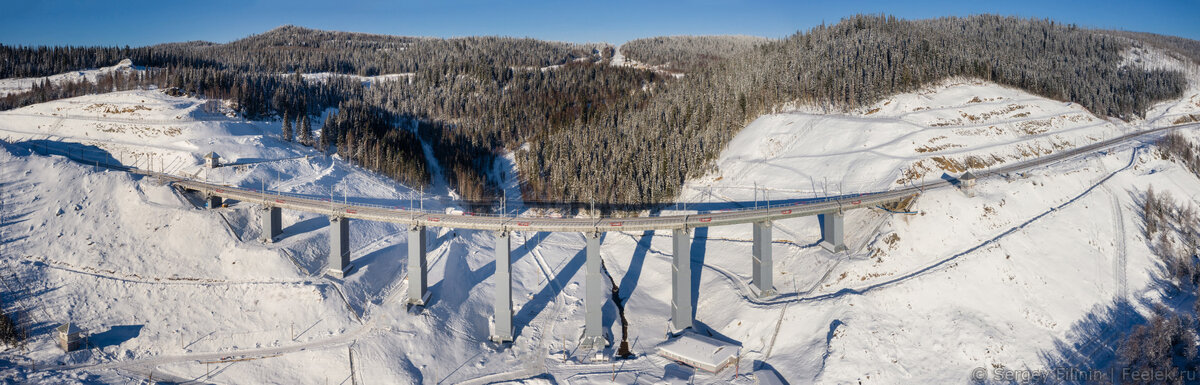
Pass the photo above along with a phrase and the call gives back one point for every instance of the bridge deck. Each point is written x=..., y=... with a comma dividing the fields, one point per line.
x=667, y=222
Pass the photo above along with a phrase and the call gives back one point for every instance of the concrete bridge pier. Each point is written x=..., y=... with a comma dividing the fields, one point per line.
x=832, y=230
x=593, y=301
x=418, y=284
x=339, y=247
x=212, y=201
x=271, y=223
x=763, y=266
x=681, y=280
x=502, y=325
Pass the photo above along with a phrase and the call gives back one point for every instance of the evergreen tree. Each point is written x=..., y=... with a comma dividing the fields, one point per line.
x=305, y=131
x=287, y=127
x=327, y=133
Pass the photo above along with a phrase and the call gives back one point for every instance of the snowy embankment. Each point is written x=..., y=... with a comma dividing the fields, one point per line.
x=143, y=270
x=1004, y=279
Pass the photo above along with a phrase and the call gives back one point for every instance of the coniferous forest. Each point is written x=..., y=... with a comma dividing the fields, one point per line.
x=583, y=130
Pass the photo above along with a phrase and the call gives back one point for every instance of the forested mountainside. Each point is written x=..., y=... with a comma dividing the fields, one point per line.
x=850, y=64
x=687, y=53
x=289, y=49
x=1187, y=48
x=583, y=130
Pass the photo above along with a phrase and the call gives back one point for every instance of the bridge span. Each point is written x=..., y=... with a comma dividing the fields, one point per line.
x=830, y=210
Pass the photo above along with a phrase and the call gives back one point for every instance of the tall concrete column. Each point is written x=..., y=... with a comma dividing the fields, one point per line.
x=681, y=279
x=212, y=201
x=762, y=268
x=271, y=223
x=418, y=285
x=339, y=247
x=593, y=300
x=832, y=228
x=502, y=326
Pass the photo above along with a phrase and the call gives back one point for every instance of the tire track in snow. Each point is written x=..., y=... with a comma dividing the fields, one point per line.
x=1120, y=263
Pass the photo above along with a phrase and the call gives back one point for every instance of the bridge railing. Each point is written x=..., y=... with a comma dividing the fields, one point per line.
x=99, y=158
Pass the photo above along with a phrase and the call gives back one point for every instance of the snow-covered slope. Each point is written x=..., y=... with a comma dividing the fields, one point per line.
x=142, y=269
x=151, y=130
x=1008, y=278
x=18, y=85
x=941, y=128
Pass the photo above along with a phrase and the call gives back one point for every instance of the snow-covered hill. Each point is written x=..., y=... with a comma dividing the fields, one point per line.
x=18, y=85
x=1006, y=279
x=1009, y=278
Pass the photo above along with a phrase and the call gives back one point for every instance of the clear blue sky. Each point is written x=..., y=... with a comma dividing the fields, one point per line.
x=140, y=22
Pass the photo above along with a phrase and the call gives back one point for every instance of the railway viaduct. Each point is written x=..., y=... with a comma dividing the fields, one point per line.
x=831, y=212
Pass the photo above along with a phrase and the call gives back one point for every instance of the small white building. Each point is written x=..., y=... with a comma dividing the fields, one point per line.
x=700, y=351
x=967, y=179
x=212, y=160
x=69, y=336
x=966, y=182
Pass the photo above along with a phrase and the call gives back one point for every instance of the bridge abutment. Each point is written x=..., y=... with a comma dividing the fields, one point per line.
x=833, y=232
x=418, y=284
x=763, y=265
x=502, y=325
x=681, y=279
x=593, y=302
x=339, y=247
x=271, y=223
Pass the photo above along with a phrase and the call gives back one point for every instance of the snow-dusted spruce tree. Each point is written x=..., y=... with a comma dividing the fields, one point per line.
x=305, y=130
x=10, y=332
x=286, y=135
x=327, y=131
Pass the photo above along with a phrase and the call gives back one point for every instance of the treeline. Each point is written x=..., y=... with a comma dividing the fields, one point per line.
x=256, y=95
x=20, y=62
x=470, y=119
x=1172, y=232
x=289, y=49
x=367, y=135
x=45, y=91
x=644, y=154
x=1186, y=48
x=1175, y=147
x=262, y=74
x=1166, y=344
x=11, y=332
x=687, y=53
